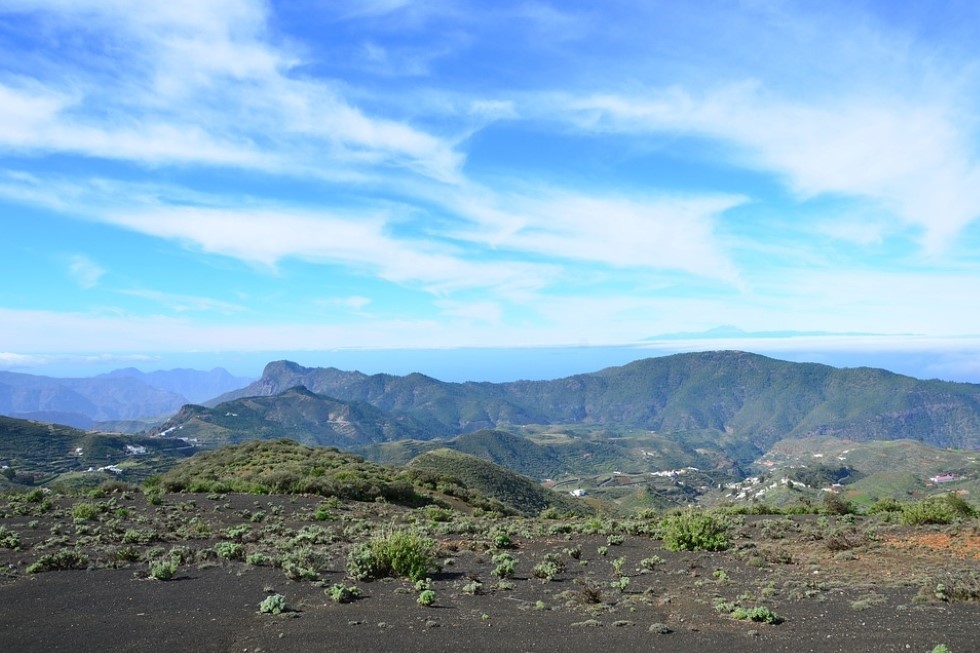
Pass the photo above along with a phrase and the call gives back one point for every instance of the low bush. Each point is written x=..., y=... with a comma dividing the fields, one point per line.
x=426, y=597
x=163, y=569
x=9, y=539
x=84, y=511
x=928, y=511
x=761, y=614
x=230, y=550
x=340, y=593
x=549, y=567
x=694, y=530
x=274, y=604
x=64, y=559
x=395, y=553
x=505, y=564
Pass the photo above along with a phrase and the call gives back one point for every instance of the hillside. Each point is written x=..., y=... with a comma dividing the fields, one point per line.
x=496, y=482
x=285, y=466
x=34, y=453
x=552, y=453
x=748, y=402
x=897, y=469
x=296, y=413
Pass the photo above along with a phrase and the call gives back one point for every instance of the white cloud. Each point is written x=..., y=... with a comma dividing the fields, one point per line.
x=911, y=155
x=646, y=233
x=356, y=303
x=11, y=360
x=85, y=271
x=858, y=231
x=181, y=303
x=479, y=311
x=359, y=242
x=193, y=82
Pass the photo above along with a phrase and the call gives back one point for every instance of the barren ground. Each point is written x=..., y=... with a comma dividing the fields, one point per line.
x=836, y=584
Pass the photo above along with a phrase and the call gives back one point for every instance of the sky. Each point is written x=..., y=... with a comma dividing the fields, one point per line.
x=463, y=183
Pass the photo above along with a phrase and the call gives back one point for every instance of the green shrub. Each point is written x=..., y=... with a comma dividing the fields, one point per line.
x=127, y=553
x=230, y=550
x=9, y=539
x=928, y=511
x=549, y=567
x=163, y=569
x=323, y=514
x=274, y=604
x=136, y=536
x=63, y=559
x=396, y=553
x=651, y=562
x=258, y=559
x=502, y=541
x=505, y=564
x=340, y=593
x=621, y=583
x=154, y=495
x=835, y=504
x=761, y=614
x=426, y=597
x=694, y=530
x=84, y=511
x=884, y=505
x=237, y=533
x=960, y=506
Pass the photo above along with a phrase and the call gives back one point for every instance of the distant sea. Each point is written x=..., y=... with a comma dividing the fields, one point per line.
x=531, y=363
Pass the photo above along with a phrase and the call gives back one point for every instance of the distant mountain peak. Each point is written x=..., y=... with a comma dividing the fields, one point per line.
x=278, y=368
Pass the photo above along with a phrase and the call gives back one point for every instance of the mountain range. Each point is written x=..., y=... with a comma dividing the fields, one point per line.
x=121, y=400
x=657, y=431
x=743, y=399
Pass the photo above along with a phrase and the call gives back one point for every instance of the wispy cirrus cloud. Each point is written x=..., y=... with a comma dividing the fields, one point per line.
x=85, y=271
x=267, y=235
x=910, y=154
x=356, y=303
x=181, y=303
x=640, y=231
x=198, y=83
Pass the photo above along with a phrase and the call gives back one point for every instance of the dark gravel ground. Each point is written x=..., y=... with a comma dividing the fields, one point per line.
x=874, y=597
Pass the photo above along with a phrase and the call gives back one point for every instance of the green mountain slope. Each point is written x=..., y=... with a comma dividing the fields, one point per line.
x=36, y=454
x=496, y=482
x=296, y=413
x=285, y=466
x=748, y=401
x=899, y=469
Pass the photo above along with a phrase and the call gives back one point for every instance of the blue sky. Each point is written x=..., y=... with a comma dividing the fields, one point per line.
x=188, y=180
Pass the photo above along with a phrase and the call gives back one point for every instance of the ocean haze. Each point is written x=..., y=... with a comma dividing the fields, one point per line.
x=530, y=363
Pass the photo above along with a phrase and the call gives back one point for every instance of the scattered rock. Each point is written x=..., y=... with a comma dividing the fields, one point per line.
x=588, y=623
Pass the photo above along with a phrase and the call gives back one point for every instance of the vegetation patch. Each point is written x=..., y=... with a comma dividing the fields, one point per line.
x=694, y=530
x=285, y=467
x=394, y=553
